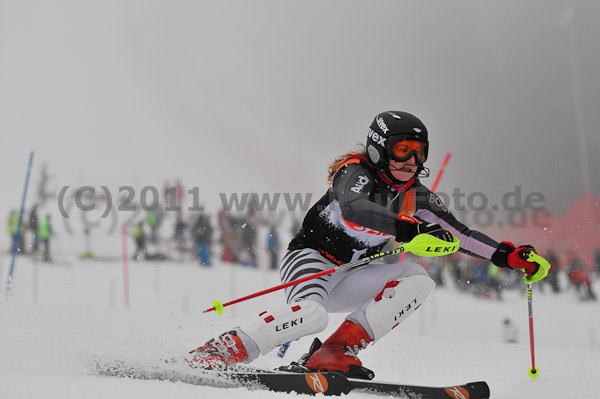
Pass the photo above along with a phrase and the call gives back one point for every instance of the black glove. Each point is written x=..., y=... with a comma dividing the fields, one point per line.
x=407, y=228
x=435, y=230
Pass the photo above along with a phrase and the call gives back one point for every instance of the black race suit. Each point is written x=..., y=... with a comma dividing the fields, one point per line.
x=357, y=216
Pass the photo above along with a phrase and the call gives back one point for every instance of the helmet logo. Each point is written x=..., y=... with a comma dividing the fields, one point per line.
x=373, y=154
x=376, y=137
x=382, y=125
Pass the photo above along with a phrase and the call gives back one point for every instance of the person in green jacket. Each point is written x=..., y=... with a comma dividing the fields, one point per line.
x=44, y=234
x=153, y=220
x=140, y=241
x=13, y=227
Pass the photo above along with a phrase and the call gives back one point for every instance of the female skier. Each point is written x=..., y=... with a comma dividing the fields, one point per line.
x=374, y=196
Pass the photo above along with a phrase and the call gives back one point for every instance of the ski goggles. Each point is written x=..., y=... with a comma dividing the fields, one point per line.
x=403, y=148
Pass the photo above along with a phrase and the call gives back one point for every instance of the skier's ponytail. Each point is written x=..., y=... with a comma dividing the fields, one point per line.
x=337, y=162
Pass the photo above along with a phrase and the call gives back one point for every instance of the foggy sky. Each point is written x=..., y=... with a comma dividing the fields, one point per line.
x=234, y=96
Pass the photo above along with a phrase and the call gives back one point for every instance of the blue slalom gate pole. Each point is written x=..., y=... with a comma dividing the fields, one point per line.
x=18, y=235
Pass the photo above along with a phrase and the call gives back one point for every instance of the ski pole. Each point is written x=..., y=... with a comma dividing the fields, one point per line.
x=531, y=256
x=533, y=372
x=422, y=245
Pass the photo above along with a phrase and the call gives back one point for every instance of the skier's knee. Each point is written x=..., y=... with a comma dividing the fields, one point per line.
x=285, y=324
x=413, y=269
x=398, y=299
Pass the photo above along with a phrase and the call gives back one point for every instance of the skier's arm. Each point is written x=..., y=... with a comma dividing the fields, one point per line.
x=473, y=242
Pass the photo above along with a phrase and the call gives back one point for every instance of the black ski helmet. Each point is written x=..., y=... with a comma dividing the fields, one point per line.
x=388, y=127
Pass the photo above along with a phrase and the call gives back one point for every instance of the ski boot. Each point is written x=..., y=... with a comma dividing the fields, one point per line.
x=338, y=353
x=218, y=353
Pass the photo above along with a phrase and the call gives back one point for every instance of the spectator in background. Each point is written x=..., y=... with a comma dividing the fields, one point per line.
x=249, y=233
x=179, y=234
x=34, y=226
x=140, y=241
x=493, y=281
x=13, y=228
x=202, y=232
x=273, y=247
x=227, y=225
x=45, y=233
x=456, y=269
x=579, y=277
x=480, y=268
x=436, y=270
x=552, y=279
x=153, y=221
x=249, y=243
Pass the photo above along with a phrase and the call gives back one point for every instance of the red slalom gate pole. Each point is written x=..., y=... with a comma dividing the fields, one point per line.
x=433, y=188
x=440, y=172
x=125, y=269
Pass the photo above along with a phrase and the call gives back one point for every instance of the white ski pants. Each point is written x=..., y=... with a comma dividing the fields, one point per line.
x=377, y=296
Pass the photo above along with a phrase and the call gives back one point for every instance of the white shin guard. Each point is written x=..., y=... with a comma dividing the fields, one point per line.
x=396, y=302
x=288, y=323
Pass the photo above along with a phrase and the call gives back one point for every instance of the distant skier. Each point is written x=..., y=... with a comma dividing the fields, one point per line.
x=375, y=195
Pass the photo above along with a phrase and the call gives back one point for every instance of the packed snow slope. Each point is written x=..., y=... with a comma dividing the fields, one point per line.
x=61, y=317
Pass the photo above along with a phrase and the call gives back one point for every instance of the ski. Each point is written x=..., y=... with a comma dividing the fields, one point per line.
x=326, y=383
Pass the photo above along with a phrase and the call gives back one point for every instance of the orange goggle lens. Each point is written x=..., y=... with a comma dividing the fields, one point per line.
x=403, y=150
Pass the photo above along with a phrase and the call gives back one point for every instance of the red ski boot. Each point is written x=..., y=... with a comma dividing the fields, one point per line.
x=219, y=353
x=339, y=352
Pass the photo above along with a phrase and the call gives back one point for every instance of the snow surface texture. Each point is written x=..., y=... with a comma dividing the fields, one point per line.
x=50, y=333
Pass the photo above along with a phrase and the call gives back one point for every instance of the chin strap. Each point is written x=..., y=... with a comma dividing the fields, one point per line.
x=423, y=172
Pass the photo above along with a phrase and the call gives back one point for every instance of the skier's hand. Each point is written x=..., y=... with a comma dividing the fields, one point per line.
x=509, y=256
x=435, y=230
x=407, y=228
